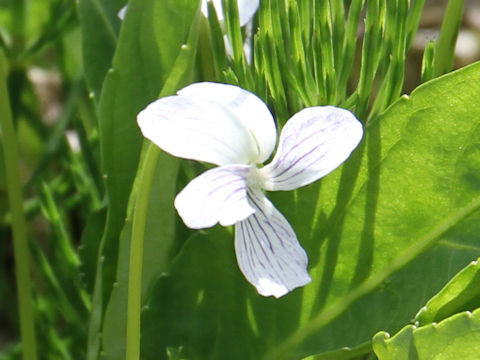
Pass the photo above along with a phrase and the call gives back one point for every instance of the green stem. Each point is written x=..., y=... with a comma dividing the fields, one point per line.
x=445, y=50
x=134, y=302
x=181, y=68
x=20, y=244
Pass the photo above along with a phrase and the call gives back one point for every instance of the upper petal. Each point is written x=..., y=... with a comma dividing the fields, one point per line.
x=218, y=195
x=268, y=252
x=246, y=9
x=195, y=128
x=248, y=108
x=313, y=142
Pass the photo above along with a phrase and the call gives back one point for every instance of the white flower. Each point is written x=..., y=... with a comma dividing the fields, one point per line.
x=231, y=127
x=246, y=10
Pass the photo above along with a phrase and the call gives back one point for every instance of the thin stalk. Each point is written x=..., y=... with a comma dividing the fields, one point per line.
x=349, y=47
x=416, y=10
x=427, y=61
x=217, y=42
x=445, y=50
x=19, y=226
x=392, y=85
x=370, y=55
x=327, y=50
x=205, y=49
x=134, y=305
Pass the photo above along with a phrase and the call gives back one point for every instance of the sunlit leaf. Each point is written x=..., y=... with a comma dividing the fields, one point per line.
x=456, y=337
x=462, y=293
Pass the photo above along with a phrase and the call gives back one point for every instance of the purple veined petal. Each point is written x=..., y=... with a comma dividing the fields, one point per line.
x=246, y=9
x=218, y=195
x=314, y=142
x=194, y=128
x=247, y=107
x=268, y=252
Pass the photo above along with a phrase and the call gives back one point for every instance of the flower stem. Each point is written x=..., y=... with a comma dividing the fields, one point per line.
x=134, y=302
x=20, y=244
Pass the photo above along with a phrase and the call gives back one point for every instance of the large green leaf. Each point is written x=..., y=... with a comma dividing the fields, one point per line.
x=150, y=41
x=456, y=337
x=206, y=284
x=384, y=234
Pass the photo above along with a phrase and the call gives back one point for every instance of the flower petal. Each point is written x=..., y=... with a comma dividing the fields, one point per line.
x=121, y=13
x=268, y=252
x=218, y=195
x=198, y=129
x=313, y=143
x=249, y=109
x=246, y=9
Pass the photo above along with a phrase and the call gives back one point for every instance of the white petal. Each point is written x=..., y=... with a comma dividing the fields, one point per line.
x=247, y=107
x=268, y=252
x=218, y=195
x=313, y=143
x=198, y=129
x=246, y=9
x=121, y=13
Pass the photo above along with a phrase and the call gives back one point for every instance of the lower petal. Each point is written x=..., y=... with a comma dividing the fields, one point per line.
x=268, y=252
x=218, y=195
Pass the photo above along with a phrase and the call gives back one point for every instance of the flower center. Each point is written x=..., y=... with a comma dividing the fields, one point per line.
x=255, y=178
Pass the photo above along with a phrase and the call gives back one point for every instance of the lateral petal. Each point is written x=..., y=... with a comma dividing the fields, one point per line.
x=268, y=252
x=247, y=107
x=197, y=129
x=218, y=195
x=314, y=142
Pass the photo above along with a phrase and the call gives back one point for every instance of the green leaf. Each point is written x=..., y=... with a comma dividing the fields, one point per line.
x=160, y=222
x=100, y=27
x=157, y=255
x=88, y=250
x=142, y=63
x=201, y=281
x=384, y=233
x=151, y=39
x=462, y=293
x=454, y=338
